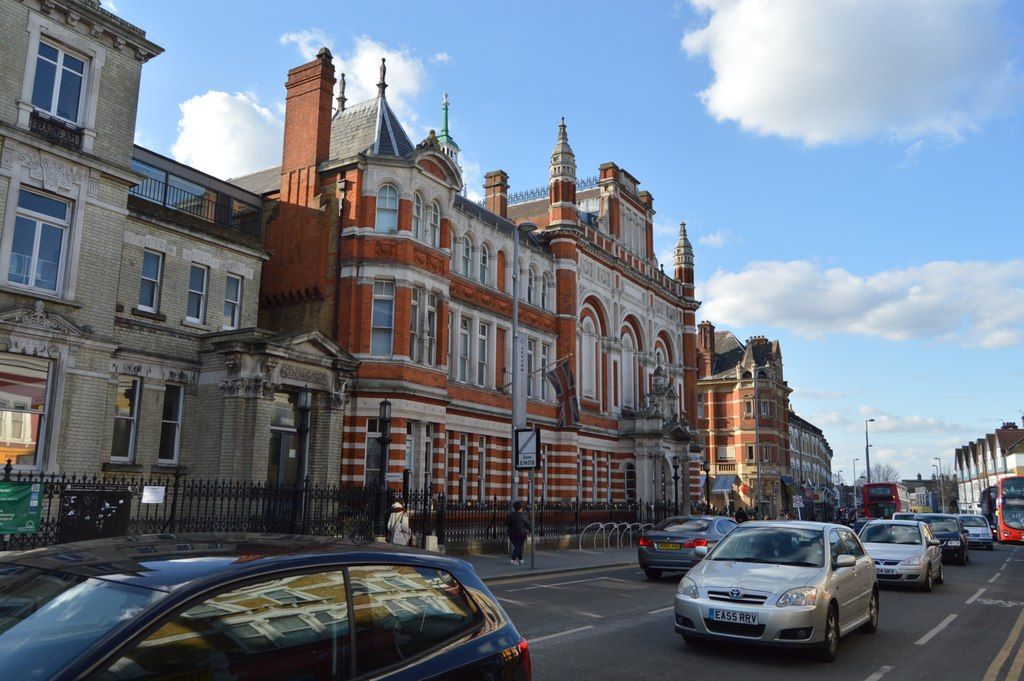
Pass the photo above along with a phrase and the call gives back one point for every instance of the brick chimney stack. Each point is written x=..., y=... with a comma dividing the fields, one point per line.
x=307, y=117
x=706, y=348
x=496, y=192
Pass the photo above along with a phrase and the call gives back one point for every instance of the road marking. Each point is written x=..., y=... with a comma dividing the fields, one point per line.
x=994, y=577
x=589, y=614
x=1004, y=652
x=972, y=598
x=931, y=634
x=509, y=600
x=660, y=610
x=1001, y=603
x=573, y=581
x=1017, y=666
x=882, y=671
x=561, y=633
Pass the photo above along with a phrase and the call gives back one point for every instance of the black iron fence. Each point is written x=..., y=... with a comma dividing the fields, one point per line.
x=82, y=507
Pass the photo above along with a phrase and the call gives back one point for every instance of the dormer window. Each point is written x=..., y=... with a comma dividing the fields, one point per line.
x=387, y=210
x=59, y=83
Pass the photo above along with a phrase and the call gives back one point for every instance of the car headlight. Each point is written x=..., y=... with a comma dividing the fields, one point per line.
x=805, y=595
x=687, y=587
x=915, y=561
x=953, y=542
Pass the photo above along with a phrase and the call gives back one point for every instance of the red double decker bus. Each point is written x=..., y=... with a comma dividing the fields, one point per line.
x=882, y=499
x=1010, y=509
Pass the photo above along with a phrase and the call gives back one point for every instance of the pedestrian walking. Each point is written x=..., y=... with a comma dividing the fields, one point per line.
x=399, y=531
x=518, y=528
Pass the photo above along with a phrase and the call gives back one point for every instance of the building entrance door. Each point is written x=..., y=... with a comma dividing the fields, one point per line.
x=282, y=464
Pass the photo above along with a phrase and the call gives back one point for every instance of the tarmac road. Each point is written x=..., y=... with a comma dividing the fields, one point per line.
x=614, y=624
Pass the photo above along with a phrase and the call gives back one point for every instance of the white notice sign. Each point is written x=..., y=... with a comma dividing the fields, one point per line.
x=153, y=494
x=527, y=445
x=798, y=501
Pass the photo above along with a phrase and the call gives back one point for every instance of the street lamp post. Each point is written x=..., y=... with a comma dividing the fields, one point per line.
x=518, y=358
x=305, y=405
x=675, y=479
x=384, y=420
x=867, y=448
x=942, y=488
x=706, y=467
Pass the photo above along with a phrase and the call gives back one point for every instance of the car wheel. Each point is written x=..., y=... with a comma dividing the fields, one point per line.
x=871, y=626
x=652, y=574
x=941, y=577
x=830, y=645
x=927, y=586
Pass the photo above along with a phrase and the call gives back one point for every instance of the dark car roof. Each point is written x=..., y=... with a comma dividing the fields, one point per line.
x=166, y=562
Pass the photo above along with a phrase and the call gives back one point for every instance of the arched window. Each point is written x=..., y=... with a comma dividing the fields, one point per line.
x=629, y=473
x=588, y=358
x=545, y=291
x=434, y=228
x=531, y=286
x=628, y=372
x=387, y=209
x=455, y=251
x=485, y=265
x=467, y=256
x=417, y=217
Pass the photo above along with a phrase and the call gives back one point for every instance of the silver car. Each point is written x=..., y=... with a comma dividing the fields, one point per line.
x=979, y=533
x=672, y=543
x=787, y=584
x=905, y=552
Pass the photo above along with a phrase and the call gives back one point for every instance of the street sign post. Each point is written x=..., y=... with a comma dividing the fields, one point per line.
x=526, y=456
x=798, y=504
x=20, y=507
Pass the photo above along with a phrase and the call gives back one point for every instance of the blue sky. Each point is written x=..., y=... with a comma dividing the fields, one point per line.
x=850, y=172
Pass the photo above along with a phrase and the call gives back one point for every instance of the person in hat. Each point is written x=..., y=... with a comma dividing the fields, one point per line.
x=399, y=531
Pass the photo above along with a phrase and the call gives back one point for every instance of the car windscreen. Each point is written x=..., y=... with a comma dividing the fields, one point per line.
x=974, y=521
x=48, y=618
x=891, y=534
x=775, y=545
x=942, y=524
x=683, y=524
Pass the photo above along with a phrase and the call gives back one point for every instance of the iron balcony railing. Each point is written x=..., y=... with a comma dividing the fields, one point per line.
x=216, y=210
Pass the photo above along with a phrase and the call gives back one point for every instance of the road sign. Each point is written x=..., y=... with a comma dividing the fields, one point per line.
x=527, y=448
x=20, y=507
x=393, y=477
x=798, y=501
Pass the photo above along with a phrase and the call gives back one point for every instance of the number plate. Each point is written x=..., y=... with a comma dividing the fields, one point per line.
x=885, y=570
x=669, y=546
x=732, y=616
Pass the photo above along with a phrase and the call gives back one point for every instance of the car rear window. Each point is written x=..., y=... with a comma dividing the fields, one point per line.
x=974, y=521
x=48, y=618
x=942, y=524
x=683, y=524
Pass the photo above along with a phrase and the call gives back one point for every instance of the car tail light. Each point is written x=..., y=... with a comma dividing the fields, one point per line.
x=645, y=542
x=524, y=657
x=694, y=543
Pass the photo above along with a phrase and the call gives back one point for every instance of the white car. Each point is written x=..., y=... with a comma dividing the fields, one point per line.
x=786, y=584
x=979, y=532
x=905, y=552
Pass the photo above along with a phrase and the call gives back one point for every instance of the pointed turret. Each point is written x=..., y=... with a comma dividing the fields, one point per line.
x=683, y=256
x=445, y=139
x=563, y=160
x=562, y=210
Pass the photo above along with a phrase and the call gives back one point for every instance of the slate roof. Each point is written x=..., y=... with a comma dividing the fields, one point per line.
x=369, y=127
x=499, y=223
x=1009, y=437
x=728, y=353
x=260, y=182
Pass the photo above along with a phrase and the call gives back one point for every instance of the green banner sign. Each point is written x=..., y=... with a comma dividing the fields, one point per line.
x=20, y=507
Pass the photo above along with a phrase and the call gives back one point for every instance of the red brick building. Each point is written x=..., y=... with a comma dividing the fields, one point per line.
x=374, y=244
x=742, y=411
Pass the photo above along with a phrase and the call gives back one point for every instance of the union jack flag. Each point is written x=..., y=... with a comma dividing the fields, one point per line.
x=565, y=392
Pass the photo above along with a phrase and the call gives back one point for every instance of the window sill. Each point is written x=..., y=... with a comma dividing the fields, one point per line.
x=155, y=316
x=168, y=468
x=121, y=467
x=35, y=294
x=195, y=325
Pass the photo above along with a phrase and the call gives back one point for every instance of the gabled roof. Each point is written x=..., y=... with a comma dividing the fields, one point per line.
x=728, y=353
x=369, y=127
x=1009, y=438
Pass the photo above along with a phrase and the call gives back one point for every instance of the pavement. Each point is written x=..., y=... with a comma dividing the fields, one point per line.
x=492, y=567
x=612, y=623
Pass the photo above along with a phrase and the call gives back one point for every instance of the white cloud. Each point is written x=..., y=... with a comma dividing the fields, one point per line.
x=308, y=42
x=110, y=6
x=473, y=178
x=441, y=58
x=227, y=135
x=826, y=71
x=973, y=304
x=405, y=77
x=814, y=394
x=714, y=239
x=892, y=423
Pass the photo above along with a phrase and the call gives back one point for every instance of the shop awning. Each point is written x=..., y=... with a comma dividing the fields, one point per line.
x=789, y=483
x=724, y=484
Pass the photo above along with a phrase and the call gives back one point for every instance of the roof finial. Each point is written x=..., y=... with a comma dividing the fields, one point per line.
x=382, y=85
x=341, y=95
x=444, y=115
x=563, y=136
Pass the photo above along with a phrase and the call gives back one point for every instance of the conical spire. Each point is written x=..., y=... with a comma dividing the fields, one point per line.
x=445, y=137
x=341, y=95
x=563, y=160
x=382, y=85
x=684, y=249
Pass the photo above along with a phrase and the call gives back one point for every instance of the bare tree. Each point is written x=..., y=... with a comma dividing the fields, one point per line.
x=884, y=472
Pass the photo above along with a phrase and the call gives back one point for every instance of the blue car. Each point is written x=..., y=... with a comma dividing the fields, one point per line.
x=258, y=607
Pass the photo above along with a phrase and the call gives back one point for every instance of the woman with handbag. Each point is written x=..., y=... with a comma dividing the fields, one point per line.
x=399, y=531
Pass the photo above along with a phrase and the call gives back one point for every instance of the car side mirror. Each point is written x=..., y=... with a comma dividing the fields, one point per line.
x=934, y=542
x=700, y=551
x=845, y=561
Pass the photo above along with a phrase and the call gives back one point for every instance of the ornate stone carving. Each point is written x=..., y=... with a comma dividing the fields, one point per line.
x=249, y=387
x=55, y=174
x=36, y=318
x=384, y=249
x=29, y=346
x=304, y=374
